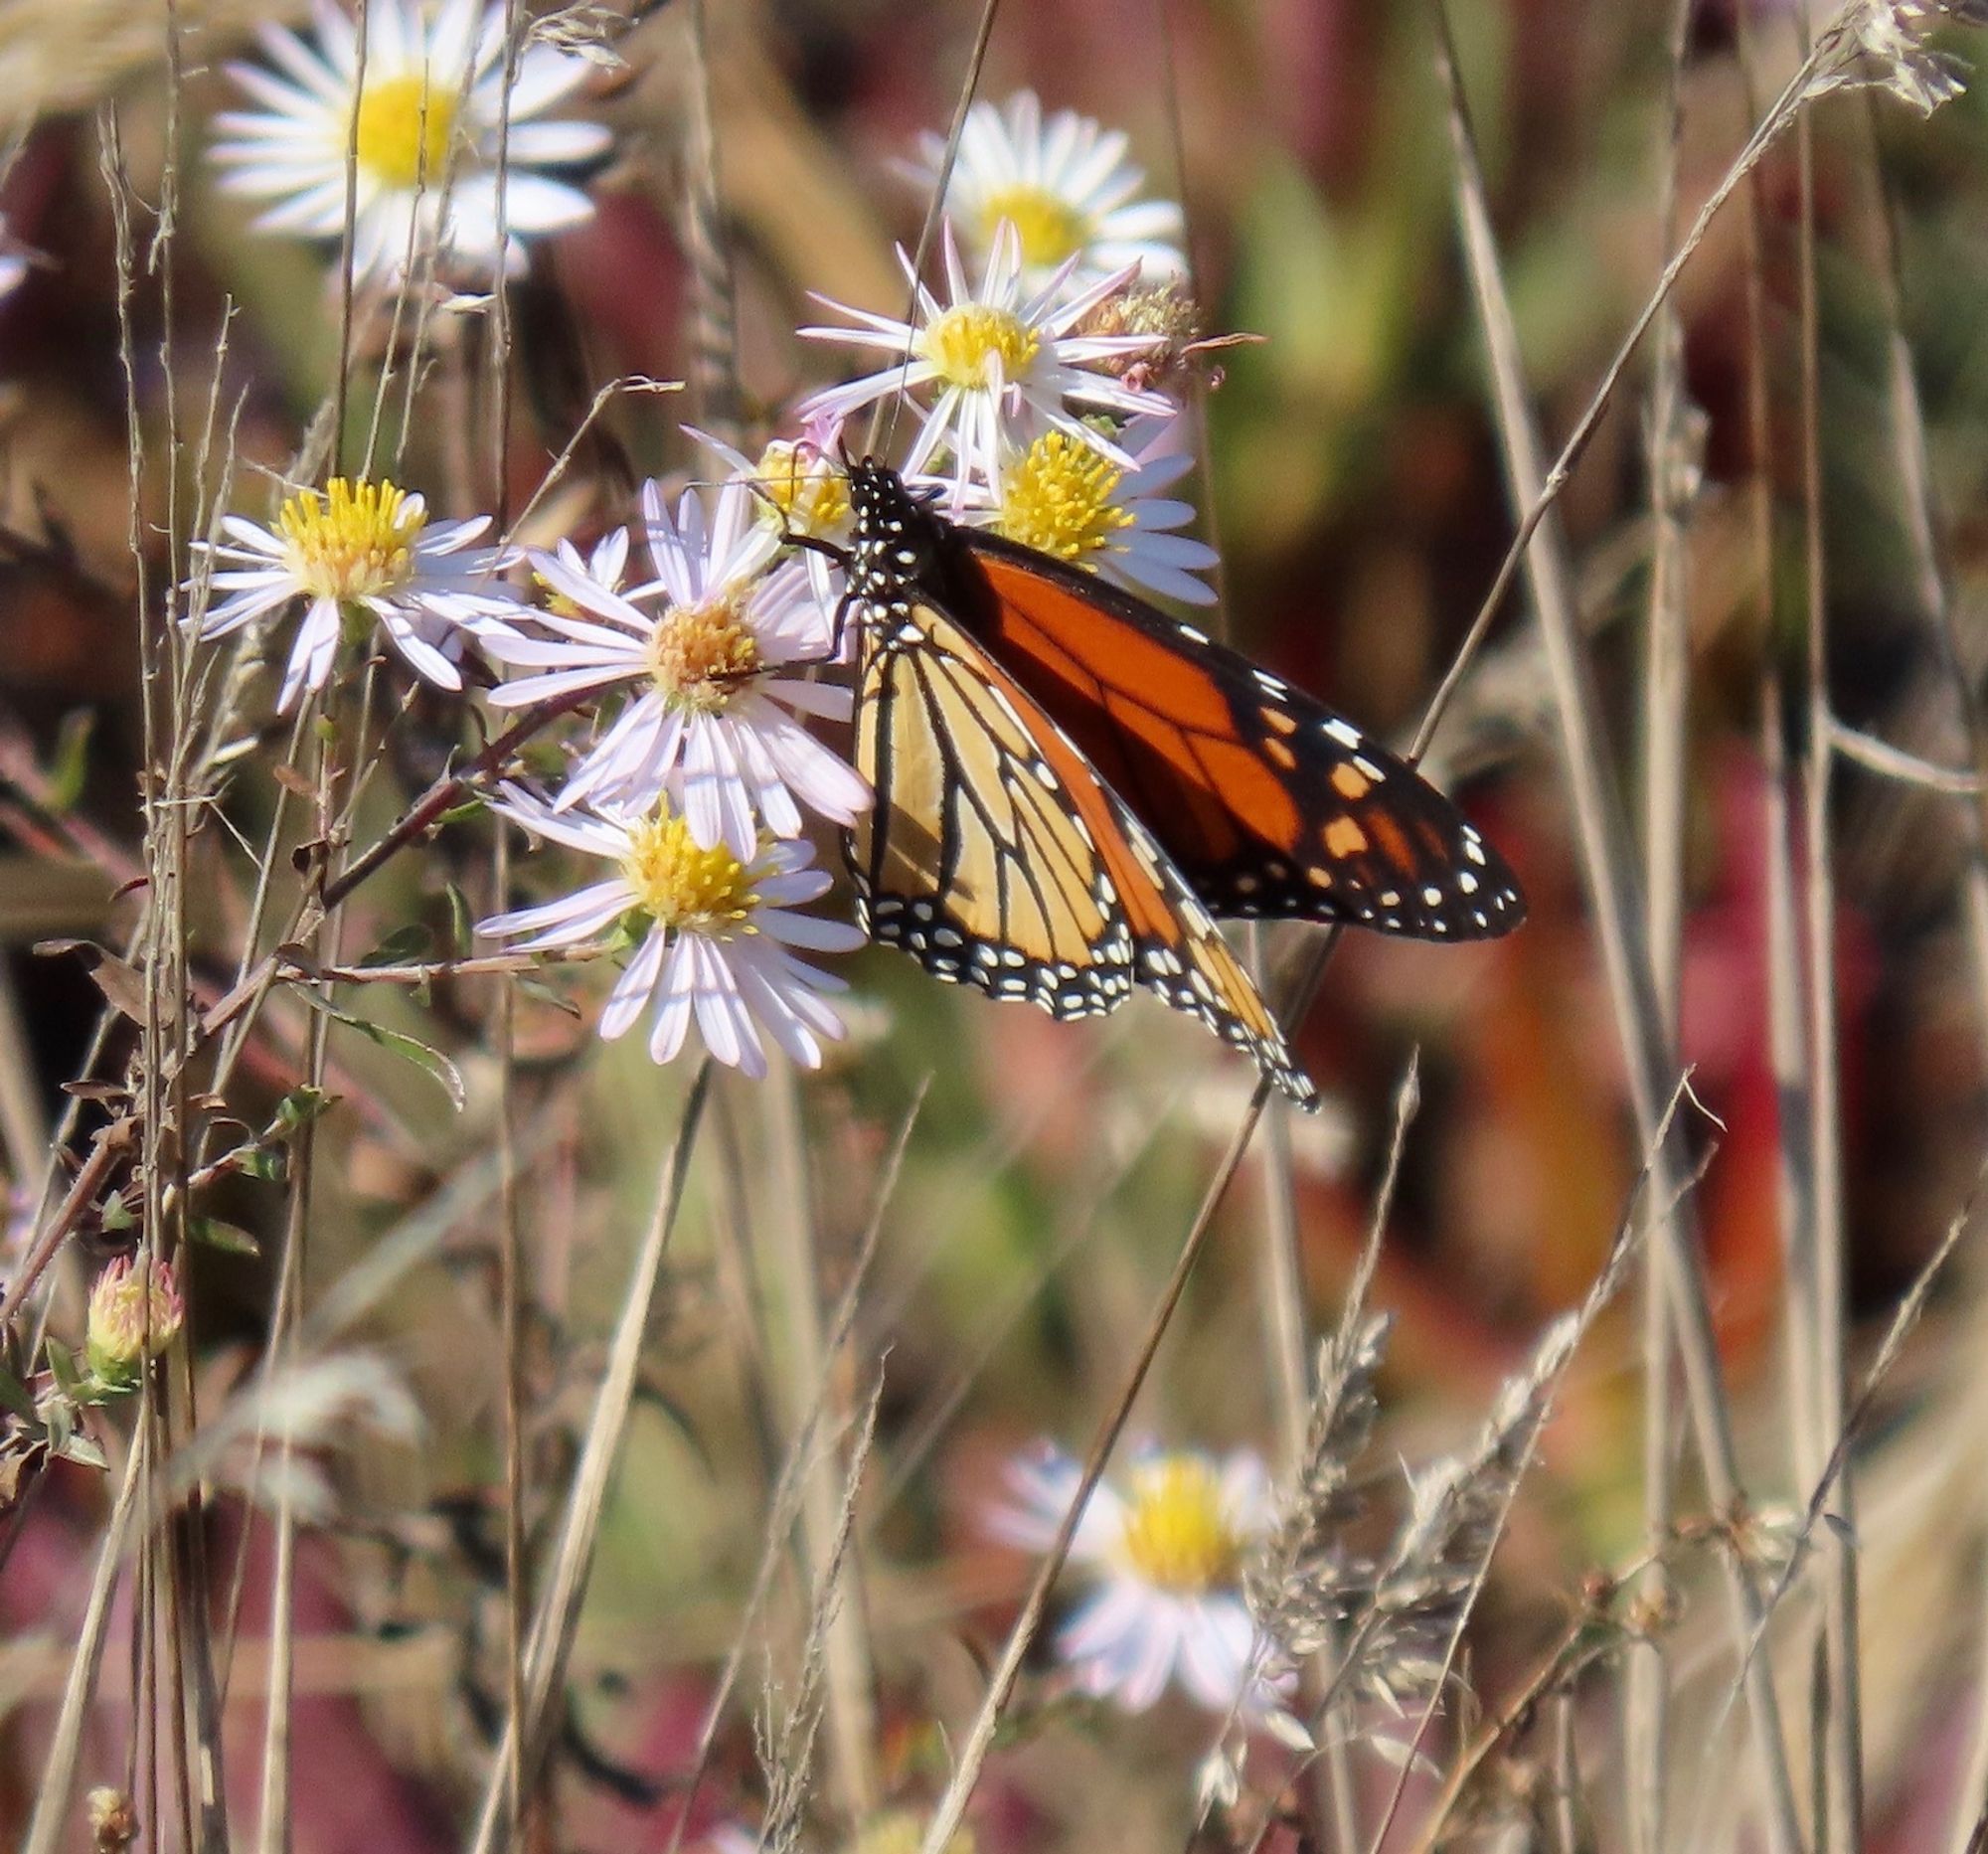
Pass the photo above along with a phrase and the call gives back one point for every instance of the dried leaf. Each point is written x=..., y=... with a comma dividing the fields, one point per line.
x=123, y=984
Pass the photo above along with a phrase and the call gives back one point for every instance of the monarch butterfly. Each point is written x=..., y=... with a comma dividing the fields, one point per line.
x=1069, y=785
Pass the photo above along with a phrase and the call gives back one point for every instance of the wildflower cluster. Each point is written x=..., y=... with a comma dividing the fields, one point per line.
x=1032, y=375
x=700, y=641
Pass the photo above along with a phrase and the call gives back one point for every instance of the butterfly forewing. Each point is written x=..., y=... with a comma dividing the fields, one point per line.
x=1266, y=801
x=1070, y=784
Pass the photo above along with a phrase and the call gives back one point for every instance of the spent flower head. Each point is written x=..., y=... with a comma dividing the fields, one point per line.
x=1164, y=1547
x=113, y=1818
x=1884, y=44
x=714, y=932
x=425, y=126
x=1002, y=362
x=707, y=652
x=136, y=1310
x=361, y=551
x=1066, y=187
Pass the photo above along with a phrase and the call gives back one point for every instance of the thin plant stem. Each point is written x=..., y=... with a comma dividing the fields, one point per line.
x=47, y=1827
x=969, y=85
x=1555, y=479
x=1612, y=886
x=790, y=1275
x=558, y=1613
x=1565, y=1774
x=1672, y=468
x=348, y=242
x=273, y=1833
x=1841, y=1828
x=972, y=1754
x=784, y=1504
x=715, y=308
x=1923, y=529
x=510, y=1233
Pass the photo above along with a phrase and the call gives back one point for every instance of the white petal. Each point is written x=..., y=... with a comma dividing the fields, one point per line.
x=1216, y=1641
x=633, y=989
x=673, y=1014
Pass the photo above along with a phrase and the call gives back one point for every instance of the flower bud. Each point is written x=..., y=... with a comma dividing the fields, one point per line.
x=134, y=1311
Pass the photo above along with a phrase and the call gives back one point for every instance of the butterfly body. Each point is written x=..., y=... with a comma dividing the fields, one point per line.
x=1071, y=785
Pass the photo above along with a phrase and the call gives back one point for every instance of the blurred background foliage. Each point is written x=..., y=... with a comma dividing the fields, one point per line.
x=1355, y=489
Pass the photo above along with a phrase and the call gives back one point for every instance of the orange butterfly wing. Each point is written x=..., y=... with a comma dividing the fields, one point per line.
x=995, y=856
x=1266, y=801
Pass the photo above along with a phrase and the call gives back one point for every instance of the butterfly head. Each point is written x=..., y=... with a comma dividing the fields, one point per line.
x=898, y=535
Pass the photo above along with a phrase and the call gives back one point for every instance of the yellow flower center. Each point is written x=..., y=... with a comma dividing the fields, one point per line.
x=1179, y=1535
x=963, y=341
x=354, y=541
x=1057, y=498
x=405, y=125
x=802, y=491
x=678, y=885
x=701, y=654
x=1049, y=227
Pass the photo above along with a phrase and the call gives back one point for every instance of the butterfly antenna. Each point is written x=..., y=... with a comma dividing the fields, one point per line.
x=929, y=229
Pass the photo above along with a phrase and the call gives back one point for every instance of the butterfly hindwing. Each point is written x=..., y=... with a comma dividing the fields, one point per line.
x=997, y=857
x=1266, y=801
x=972, y=858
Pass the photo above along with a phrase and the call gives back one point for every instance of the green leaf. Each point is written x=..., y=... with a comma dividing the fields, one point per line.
x=298, y=1108
x=412, y=1047
x=405, y=946
x=462, y=813
x=68, y=765
x=461, y=927
x=13, y=1395
x=216, y=1233
x=117, y=1215
x=258, y=1161
x=61, y=1367
x=546, y=994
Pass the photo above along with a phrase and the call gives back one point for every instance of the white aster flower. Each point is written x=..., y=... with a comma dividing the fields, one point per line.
x=606, y=564
x=800, y=491
x=1004, y=362
x=1167, y=1554
x=429, y=121
x=1066, y=187
x=715, y=930
x=712, y=717
x=353, y=550
x=1069, y=501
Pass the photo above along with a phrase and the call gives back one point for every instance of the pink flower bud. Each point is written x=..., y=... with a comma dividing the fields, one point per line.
x=134, y=1311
